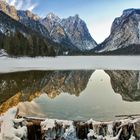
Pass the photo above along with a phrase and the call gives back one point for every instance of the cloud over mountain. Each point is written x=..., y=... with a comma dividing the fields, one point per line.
x=23, y=4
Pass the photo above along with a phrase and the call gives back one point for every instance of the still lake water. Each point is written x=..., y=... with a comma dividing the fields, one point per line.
x=97, y=101
x=96, y=98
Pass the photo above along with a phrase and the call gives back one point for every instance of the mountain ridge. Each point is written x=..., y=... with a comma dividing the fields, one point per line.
x=125, y=34
x=72, y=35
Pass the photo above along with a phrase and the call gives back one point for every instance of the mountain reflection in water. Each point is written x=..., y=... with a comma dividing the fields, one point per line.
x=95, y=96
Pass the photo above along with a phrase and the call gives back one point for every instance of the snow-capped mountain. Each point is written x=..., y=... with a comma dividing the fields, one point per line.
x=54, y=27
x=27, y=35
x=50, y=21
x=18, y=40
x=72, y=30
x=71, y=34
x=26, y=17
x=78, y=33
x=125, y=33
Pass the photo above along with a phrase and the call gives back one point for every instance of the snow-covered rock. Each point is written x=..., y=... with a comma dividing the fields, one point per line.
x=91, y=130
x=15, y=129
x=3, y=53
x=11, y=128
x=63, y=128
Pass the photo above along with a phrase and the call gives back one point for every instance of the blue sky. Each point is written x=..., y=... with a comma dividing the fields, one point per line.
x=98, y=14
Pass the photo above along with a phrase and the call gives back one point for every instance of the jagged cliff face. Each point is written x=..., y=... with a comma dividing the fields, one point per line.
x=72, y=30
x=126, y=83
x=50, y=21
x=25, y=86
x=56, y=31
x=78, y=33
x=125, y=32
x=51, y=37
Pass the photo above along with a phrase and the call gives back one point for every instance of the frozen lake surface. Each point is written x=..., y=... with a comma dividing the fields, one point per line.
x=70, y=63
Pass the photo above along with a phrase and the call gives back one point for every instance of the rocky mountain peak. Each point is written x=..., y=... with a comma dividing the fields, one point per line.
x=78, y=33
x=72, y=29
x=74, y=18
x=131, y=11
x=53, y=17
x=127, y=14
x=51, y=21
x=125, y=31
x=53, y=25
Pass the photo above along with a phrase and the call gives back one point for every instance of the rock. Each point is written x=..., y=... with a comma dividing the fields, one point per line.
x=91, y=130
x=57, y=33
x=125, y=32
x=137, y=129
x=78, y=33
x=72, y=30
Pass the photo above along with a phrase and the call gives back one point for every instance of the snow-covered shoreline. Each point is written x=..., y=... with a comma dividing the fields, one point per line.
x=70, y=63
x=11, y=128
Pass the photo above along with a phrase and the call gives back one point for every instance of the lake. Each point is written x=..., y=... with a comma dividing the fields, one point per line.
x=70, y=63
x=98, y=101
x=74, y=88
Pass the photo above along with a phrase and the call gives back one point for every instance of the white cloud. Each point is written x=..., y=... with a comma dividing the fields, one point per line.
x=32, y=6
x=13, y=2
x=23, y=4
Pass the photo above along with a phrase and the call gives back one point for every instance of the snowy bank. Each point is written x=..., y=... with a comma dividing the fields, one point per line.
x=48, y=129
x=11, y=128
x=127, y=129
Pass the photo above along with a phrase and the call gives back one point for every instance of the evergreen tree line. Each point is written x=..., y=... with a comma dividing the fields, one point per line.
x=31, y=45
